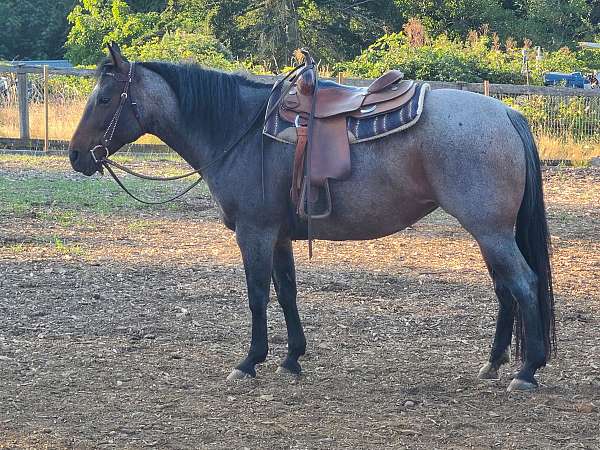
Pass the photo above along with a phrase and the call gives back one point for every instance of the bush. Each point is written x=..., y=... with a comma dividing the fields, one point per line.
x=180, y=45
x=474, y=60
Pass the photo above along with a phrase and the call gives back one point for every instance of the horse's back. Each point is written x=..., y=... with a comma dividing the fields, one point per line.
x=463, y=154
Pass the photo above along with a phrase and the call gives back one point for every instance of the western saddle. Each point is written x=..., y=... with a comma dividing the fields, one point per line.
x=320, y=111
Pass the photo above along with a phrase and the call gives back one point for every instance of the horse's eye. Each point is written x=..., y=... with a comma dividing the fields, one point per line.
x=104, y=100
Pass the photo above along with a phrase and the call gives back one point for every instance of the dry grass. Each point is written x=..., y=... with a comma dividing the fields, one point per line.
x=566, y=148
x=64, y=116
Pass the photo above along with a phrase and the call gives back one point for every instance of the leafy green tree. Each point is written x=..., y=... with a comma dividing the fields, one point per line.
x=557, y=23
x=98, y=22
x=143, y=36
x=148, y=5
x=180, y=45
x=268, y=31
x=33, y=29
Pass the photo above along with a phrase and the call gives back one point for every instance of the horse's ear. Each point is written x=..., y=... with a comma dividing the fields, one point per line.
x=118, y=60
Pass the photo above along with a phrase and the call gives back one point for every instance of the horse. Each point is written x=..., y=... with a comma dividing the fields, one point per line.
x=470, y=155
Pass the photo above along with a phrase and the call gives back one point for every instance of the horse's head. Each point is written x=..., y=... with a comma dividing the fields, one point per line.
x=111, y=117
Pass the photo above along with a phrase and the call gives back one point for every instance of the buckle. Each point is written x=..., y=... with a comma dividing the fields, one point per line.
x=95, y=158
x=297, y=123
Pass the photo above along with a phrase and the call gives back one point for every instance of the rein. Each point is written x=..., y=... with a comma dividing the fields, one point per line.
x=109, y=164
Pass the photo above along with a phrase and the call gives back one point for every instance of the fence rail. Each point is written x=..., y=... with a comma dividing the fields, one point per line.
x=563, y=114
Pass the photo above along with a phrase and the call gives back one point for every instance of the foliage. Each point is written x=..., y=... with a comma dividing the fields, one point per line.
x=32, y=30
x=181, y=45
x=267, y=32
x=143, y=35
x=550, y=23
x=99, y=22
x=564, y=118
x=478, y=58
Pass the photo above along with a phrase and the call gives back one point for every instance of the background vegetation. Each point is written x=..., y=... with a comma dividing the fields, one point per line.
x=444, y=40
x=463, y=40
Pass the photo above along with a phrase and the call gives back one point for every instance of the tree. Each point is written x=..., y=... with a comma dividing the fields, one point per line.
x=98, y=22
x=142, y=35
x=32, y=29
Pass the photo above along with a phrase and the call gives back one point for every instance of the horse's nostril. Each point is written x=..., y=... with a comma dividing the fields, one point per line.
x=73, y=155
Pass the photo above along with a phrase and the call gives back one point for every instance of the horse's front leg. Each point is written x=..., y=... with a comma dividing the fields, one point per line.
x=284, y=279
x=256, y=245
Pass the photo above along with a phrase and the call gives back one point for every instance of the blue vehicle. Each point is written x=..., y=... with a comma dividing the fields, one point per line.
x=572, y=80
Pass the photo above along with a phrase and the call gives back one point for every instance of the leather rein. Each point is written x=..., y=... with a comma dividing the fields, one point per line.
x=109, y=164
x=126, y=97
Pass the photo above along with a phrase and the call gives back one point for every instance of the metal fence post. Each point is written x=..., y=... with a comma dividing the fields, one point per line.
x=23, y=104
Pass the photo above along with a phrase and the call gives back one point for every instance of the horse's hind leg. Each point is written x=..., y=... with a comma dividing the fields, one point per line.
x=500, y=353
x=284, y=279
x=512, y=274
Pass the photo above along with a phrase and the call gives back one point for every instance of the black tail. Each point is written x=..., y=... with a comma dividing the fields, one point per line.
x=533, y=237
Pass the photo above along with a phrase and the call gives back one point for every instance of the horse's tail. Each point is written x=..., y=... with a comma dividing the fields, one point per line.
x=533, y=238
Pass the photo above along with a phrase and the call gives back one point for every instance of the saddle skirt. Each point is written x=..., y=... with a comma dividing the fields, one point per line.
x=362, y=126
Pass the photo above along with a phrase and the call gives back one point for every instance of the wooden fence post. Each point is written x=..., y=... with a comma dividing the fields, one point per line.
x=45, y=108
x=486, y=87
x=23, y=106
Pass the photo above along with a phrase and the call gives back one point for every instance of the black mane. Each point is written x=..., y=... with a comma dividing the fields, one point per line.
x=206, y=96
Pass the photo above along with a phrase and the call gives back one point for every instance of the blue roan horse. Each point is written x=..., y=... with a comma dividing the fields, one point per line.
x=469, y=154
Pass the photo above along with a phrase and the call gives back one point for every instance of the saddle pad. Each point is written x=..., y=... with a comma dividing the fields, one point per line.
x=359, y=129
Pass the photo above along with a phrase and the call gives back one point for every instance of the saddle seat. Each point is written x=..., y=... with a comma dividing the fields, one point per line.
x=386, y=93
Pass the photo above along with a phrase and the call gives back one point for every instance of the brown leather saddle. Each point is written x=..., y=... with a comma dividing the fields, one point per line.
x=321, y=111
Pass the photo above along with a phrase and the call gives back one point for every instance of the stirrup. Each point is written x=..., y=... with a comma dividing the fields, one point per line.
x=326, y=212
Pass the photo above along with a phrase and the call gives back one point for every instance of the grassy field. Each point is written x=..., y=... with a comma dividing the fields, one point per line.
x=64, y=117
x=64, y=195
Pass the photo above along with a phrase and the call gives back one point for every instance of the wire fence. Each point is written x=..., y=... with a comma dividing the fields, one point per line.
x=576, y=118
x=565, y=122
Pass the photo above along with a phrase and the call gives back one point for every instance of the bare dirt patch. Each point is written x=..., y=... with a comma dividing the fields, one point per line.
x=119, y=325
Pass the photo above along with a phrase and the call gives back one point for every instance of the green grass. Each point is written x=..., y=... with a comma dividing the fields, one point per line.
x=65, y=248
x=61, y=200
x=62, y=218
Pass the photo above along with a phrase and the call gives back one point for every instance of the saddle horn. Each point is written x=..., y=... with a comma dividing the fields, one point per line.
x=307, y=81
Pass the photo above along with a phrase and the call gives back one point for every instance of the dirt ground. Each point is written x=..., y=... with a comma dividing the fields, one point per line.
x=119, y=326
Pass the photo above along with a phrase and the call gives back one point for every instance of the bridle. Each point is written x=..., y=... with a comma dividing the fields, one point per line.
x=109, y=164
x=126, y=97
x=112, y=126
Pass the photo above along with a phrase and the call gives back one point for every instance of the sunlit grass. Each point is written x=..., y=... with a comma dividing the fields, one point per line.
x=64, y=248
x=552, y=148
x=63, y=117
x=61, y=200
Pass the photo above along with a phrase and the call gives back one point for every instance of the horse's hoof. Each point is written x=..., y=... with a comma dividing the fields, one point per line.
x=488, y=372
x=285, y=372
x=521, y=385
x=237, y=374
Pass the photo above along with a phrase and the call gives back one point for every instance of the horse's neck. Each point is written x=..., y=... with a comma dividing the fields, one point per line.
x=195, y=145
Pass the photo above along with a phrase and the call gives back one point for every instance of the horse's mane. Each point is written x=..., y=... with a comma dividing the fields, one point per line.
x=206, y=96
